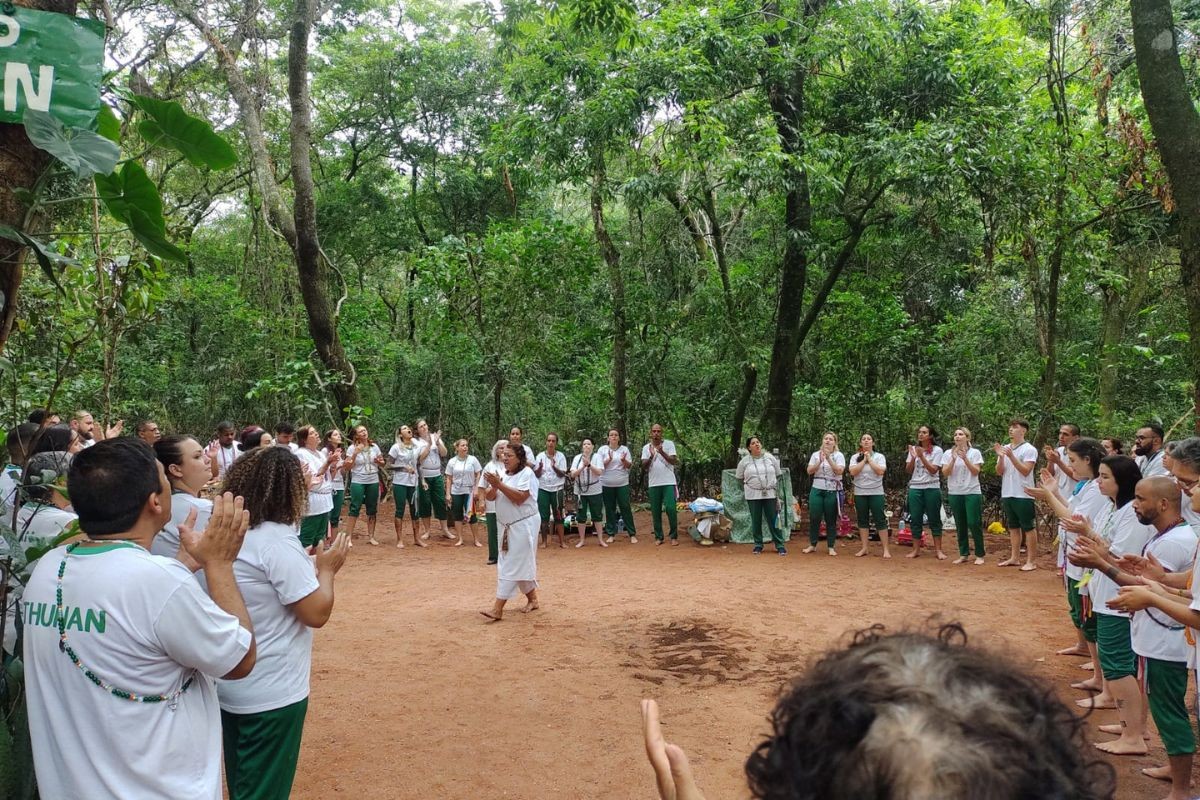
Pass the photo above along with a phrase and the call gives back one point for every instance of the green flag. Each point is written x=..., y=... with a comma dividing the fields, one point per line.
x=50, y=62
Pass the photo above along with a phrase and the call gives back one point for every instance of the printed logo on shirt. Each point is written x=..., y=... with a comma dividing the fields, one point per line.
x=45, y=615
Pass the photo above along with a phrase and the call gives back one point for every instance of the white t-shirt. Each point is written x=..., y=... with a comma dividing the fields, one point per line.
x=616, y=473
x=431, y=465
x=320, y=497
x=550, y=480
x=661, y=473
x=1087, y=502
x=1152, y=465
x=37, y=526
x=824, y=477
x=1154, y=634
x=587, y=482
x=335, y=472
x=166, y=544
x=869, y=483
x=1012, y=482
x=225, y=458
x=404, y=457
x=496, y=468
x=1185, y=509
x=464, y=473
x=960, y=480
x=921, y=477
x=10, y=478
x=1125, y=535
x=1194, y=658
x=363, y=470
x=760, y=476
x=143, y=624
x=272, y=572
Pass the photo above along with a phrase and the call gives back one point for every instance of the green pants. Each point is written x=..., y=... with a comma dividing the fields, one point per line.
x=1116, y=649
x=550, y=505
x=493, y=537
x=335, y=516
x=361, y=493
x=261, y=751
x=1166, y=686
x=968, y=522
x=1084, y=621
x=432, y=501
x=662, y=498
x=870, y=507
x=458, y=507
x=615, y=496
x=591, y=508
x=760, y=510
x=405, y=497
x=1018, y=513
x=822, y=505
x=922, y=502
x=314, y=529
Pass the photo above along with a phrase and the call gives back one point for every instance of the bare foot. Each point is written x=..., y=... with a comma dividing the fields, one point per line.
x=492, y=617
x=808, y=549
x=459, y=543
x=941, y=556
x=419, y=543
x=560, y=544
x=448, y=535
x=1008, y=562
x=425, y=535
x=1096, y=702
x=658, y=542
x=674, y=543
x=602, y=543
x=1028, y=567
x=861, y=553
x=979, y=562
x=1117, y=729
x=581, y=543
x=886, y=554
x=530, y=607
x=833, y=552
x=1088, y=666
x=1090, y=685
x=608, y=539
x=477, y=544
x=1120, y=747
x=914, y=554
x=633, y=540
x=373, y=541
x=542, y=545
x=1073, y=650
x=399, y=544
x=959, y=560
x=1158, y=773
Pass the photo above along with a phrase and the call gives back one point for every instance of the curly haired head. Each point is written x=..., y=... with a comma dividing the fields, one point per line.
x=910, y=715
x=271, y=482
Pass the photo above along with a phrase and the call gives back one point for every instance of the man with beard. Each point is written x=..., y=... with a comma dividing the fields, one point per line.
x=1147, y=446
x=85, y=427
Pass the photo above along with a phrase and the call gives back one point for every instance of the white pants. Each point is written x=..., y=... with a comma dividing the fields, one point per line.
x=507, y=590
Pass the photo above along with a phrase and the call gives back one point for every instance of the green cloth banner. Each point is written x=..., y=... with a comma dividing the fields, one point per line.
x=53, y=63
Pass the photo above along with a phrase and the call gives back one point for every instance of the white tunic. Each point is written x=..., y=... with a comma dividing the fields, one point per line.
x=520, y=524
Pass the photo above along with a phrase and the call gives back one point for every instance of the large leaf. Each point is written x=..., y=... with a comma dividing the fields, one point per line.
x=131, y=197
x=169, y=125
x=107, y=124
x=84, y=152
x=46, y=257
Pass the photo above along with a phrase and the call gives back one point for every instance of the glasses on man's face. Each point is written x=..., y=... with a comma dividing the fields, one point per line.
x=1188, y=486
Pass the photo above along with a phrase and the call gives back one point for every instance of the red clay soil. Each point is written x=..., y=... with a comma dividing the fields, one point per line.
x=415, y=696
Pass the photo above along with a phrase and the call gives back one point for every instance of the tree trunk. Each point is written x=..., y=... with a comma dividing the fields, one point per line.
x=612, y=259
x=298, y=227
x=1176, y=127
x=322, y=325
x=21, y=164
x=787, y=108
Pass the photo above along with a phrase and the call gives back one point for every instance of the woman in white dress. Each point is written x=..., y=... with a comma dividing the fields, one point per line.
x=517, y=517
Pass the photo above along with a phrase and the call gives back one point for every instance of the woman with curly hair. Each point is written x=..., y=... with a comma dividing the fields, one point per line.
x=909, y=715
x=262, y=715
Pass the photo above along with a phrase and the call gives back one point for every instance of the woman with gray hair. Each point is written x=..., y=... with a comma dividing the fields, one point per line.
x=1183, y=464
x=495, y=467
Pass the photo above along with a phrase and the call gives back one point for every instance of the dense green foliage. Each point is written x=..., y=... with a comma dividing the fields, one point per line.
x=455, y=152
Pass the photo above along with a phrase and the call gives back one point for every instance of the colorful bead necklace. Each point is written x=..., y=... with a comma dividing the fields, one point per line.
x=171, y=699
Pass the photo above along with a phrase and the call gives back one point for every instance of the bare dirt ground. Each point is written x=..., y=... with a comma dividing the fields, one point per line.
x=414, y=696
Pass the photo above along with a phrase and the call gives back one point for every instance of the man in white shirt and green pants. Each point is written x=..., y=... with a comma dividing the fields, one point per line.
x=659, y=460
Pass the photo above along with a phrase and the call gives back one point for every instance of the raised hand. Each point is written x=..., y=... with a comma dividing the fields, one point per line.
x=222, y=539
x=1132, y=598
x=1047, y=476
x=672, y=772
x=1078, y=524
x=335, y=556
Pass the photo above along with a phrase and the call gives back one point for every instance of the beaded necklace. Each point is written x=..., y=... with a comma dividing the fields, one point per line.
x=172, y=699
x=1169, y=624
